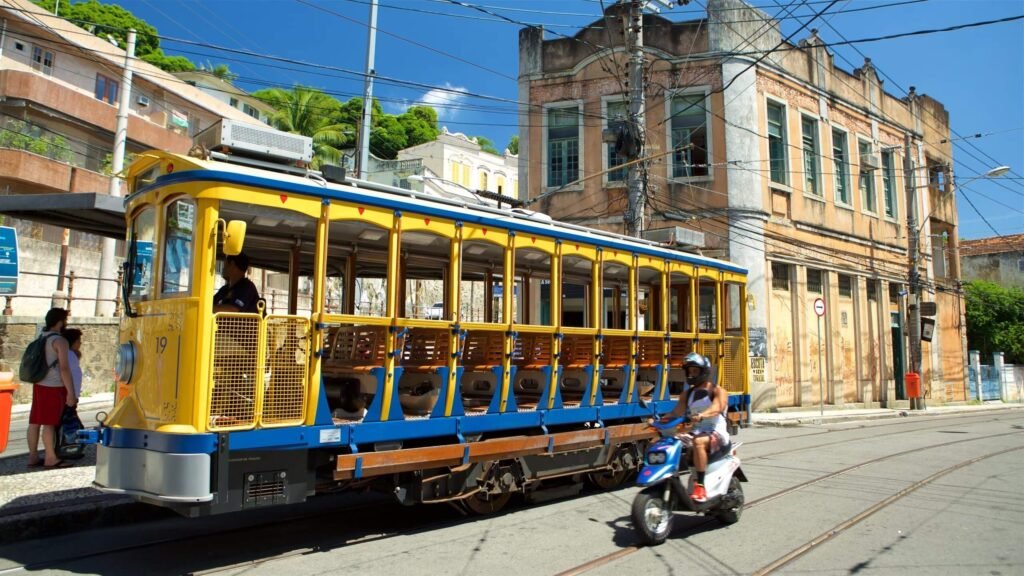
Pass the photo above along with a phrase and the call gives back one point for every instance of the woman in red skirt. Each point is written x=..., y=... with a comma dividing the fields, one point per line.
x=50, y=395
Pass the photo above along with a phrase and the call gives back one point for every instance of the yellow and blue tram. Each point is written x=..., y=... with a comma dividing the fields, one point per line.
x=441, y=350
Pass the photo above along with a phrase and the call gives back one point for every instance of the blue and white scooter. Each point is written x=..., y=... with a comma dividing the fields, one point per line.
x=665, y=493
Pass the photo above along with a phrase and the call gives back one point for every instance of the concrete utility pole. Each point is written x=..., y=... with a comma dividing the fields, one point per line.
x=363, y=143
x=635, y=36
x=914, y=287
x=106, y=290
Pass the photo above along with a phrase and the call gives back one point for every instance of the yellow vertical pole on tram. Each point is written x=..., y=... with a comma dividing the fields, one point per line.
x=596, y=305
x=665, y=313
x=555, y=297
x=633, y=326
x=394, y=258
x=317, y=312
x=507, y=297
x=455, y=317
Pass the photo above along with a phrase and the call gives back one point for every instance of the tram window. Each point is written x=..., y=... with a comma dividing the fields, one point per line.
x=144, y=229
x=482, y=286
x=424, y=266
x=533, y=267
x=576, y=292
x=680, y=316
x=615, y=303
x=648, y=299
x=733, y=306
x=358, y=263
x=708, y=306
x=178, y=231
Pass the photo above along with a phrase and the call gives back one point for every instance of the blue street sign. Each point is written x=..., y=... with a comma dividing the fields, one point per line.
x=143, y=265
x=499, y=290
x=8, y=260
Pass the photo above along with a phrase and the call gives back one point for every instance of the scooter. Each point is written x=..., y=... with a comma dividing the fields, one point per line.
x=665, y=492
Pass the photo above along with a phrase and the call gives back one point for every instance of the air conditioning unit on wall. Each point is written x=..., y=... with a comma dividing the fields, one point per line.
x=871, y=162
x=143, y=101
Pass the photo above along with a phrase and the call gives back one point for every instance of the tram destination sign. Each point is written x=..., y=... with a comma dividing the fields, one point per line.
x=8, y=260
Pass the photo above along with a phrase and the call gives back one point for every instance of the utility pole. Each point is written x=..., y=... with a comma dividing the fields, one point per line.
x=635, y=37
x=363, y=142
x=105, y=289
x=914, y=287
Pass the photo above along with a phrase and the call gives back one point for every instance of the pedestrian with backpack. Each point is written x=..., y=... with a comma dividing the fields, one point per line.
x=45, y=364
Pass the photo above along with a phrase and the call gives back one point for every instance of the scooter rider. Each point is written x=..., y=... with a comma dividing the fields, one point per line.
x=705, y=404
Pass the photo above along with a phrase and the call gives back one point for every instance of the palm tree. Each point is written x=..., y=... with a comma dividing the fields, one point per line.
x=309, y=112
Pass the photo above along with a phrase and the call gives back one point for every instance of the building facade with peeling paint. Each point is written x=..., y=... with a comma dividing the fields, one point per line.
x=792, y=167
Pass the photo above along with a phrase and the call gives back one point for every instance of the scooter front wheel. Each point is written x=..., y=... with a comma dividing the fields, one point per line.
x=652, y=516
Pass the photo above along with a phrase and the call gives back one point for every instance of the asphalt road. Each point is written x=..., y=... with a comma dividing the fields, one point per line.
x=964, y=520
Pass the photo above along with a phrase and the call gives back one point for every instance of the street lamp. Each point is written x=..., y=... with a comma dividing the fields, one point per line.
x=993, y=173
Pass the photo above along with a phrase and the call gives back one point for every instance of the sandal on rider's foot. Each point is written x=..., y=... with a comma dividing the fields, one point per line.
x=59, y=464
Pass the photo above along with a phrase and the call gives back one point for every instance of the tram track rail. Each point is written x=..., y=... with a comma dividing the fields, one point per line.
x=441, y=523
x=818, y=540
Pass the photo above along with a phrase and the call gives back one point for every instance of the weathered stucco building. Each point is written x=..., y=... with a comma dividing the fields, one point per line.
x=999, y=259
x=791, y=167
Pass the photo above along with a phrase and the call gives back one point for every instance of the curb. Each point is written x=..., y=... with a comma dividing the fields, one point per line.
x=836, y=418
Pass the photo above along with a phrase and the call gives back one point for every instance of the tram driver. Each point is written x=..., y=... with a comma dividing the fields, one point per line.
x=239, y=294
x=706, y=405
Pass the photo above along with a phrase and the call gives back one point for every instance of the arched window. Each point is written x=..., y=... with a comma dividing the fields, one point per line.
x=483, y=180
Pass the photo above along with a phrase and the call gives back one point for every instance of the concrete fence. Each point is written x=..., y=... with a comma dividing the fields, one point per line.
x=99, y=350
x=996, y=381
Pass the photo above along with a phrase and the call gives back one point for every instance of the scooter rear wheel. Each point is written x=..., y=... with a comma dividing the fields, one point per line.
x=652, y=516
x=735, y=497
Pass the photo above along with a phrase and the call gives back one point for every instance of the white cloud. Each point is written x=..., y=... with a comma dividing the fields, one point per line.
x=396, y=108
x=445, y=101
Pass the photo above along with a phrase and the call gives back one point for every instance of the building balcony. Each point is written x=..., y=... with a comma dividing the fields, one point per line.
x=23, y=172
x=37, y=90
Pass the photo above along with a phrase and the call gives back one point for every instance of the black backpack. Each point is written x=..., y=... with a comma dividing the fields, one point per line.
x=33, y=362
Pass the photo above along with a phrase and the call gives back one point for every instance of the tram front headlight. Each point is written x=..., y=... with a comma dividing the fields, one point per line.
x=125, y=367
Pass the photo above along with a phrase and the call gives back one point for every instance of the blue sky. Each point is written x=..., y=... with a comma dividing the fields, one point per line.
x=978, y=74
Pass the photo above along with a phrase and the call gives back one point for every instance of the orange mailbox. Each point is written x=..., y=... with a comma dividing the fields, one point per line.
x=913, y=380
x=7, y=388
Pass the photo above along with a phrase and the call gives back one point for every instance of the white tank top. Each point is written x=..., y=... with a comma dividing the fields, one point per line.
x=715, y=423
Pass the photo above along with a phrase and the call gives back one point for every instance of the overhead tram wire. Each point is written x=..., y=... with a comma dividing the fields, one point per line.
x=354, y=74
x=978, y=212
x=408, y=40
x=897, y=85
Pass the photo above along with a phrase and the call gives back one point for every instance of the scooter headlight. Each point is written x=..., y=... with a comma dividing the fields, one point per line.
x=656, y=457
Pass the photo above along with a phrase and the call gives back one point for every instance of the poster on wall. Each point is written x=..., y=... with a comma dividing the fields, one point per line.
x=757, y=339
x=927, y=329
x=8, y=260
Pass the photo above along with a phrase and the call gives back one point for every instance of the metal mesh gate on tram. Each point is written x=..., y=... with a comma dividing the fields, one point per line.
x=236, y=373
x=287, y=363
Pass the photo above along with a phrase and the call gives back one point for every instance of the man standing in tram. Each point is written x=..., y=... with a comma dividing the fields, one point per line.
x=239, y=294
x=705, y=404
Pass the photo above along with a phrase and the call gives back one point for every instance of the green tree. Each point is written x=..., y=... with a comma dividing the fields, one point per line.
x=310, y=112
x=420, y=125
x=220, y=71
x=108, y=19
x=169, y=63
x=995, y=320
x=513, y=145
x=485, y=144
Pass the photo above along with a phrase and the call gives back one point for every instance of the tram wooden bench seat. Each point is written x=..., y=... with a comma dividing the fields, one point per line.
x=678, y=349
x=354, y=349
x=577, y=352
x=649, y=352
x=482, y=351
x=615, y=351
x=532, y=351
x=426, y=349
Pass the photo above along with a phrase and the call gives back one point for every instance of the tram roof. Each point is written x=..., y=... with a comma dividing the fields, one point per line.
x=406, y=200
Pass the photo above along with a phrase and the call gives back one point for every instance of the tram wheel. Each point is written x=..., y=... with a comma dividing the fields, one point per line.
x=483, y=504
x=608, y=479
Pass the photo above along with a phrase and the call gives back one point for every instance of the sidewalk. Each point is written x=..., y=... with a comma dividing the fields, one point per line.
x=835, y=415
x=94, y=402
